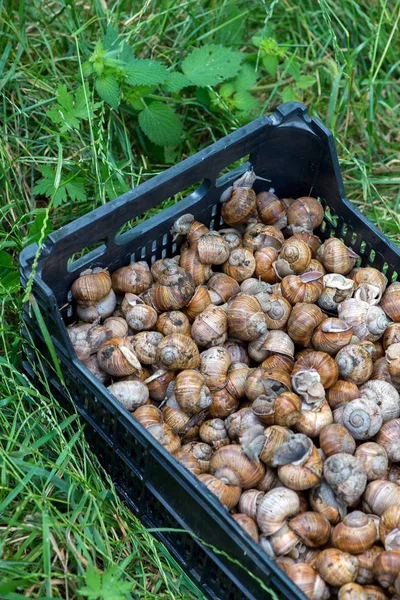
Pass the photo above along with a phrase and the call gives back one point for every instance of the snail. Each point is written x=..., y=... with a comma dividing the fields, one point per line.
x=248, y=524
x=342, y=391
x=224, y=485
x=210, y=327
x=324, y=501
x=380, y=495
x=304, y=214
x=390, y=302
x=265, y=258
x=337, y=567
x=134, y=278
x=232, y=457
x=139, y=316
x=336, y=257
x=221, y=287
x=191, y=391
x=187, y=225
x=214, y=365
x=346, y=476
x=145, y=344
x=246, y=320
x=389, y=438
x=258, y=236
x=389, y=528
x=201, y=452
x=354, y=363
x=199, y=302
x=173, y=322
x=191, y=263
x=131, y=394
x=362, y=417
x=294, y=257
x=331, y=335
x=306, y=287
x=336, y=289
x=355, y=534
x=117, y=357
x=299, y=463
x=303, y=320
x=368, y=322
x=308, y=580
x=240, y=264
x=336, y=439
x=312, y=528
x=158, y=383
x=275, y=507
x=374, y=458
x=212, y=249
x=239, y=200
x=178, y=351
x=213, y=432
x=272, y=211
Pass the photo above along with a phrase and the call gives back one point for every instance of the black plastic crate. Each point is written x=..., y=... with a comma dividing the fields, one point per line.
x=298, y=155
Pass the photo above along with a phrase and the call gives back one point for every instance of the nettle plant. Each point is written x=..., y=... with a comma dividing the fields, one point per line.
x=159, y=97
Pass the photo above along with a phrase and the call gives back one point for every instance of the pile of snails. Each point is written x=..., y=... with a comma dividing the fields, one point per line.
x=268, y=364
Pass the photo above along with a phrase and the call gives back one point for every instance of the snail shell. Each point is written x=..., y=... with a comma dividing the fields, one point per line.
x=131, y=394
x=324, y=501
x=214, y=365
x=165, y=436
x=391, y=301
x=199, y=302
x=380, y=495
x=272, y=211
x=191, y=391
x=240, y=264
x=346, y=476
x=248, y=524
x=246, y=321
x=145, y=345
x=213, y=432
x=385, y=396
x=389, y=528
x=91, y=286
x=210, y=327
x=201, y=451
x=362, y=417
x=336, y=257
x=265, y=259
x=335, y=439
x=92, y=364
x=366, y=560
x=368, y=322
x=101, y=309
x=374, y=459
x=294, y=257
x=158, y=383
x=259, y=236
x=173, y=322
x=232, y=457
x=240, y=207
x=212, y=249
x=304, y=214
x=147, y=415
x=302, y=288
x=389, y=438
x=134, y=278
x=312, y=528
x=303, y=321
x=178, y=351
x=342, y=391
x=387, y=568
x=336, y=289
x=173, y=290
x=116, y=357
x=221, y=287
x=355, y=534
x=279, y=312
x=310, y=583
x=331, y=336
x=224, y=486
x=354, y=363
x=275, y=507
x=336, y=567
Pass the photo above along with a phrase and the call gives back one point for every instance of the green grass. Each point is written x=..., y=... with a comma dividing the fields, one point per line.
x=59, y=514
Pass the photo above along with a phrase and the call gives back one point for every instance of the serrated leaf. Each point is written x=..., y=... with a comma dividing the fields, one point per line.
x=176, y=81
x=246, y=78
x=289, y=94
x=145, y=72
x=111, y=38
x=226, y=90
x=108, y=90
x=292, y=67
x=69, y=109
x=76, y=189
x=72, y=185
x=305, y=81
x=211, y=65
x=270, y=64
x=245, y=101
x=161, y=125
x=126, y=54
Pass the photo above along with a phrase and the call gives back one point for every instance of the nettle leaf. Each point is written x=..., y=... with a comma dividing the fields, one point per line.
x=244, y=101
x=108, y=90
x=72, y=186
x=106, y=586
x=305, y=81
x=145, y=72
x=292, y=67
x=110, y=40
x=176, y=81
x=71, y=109
x=289, y=94
x=246, y=78
x=226, y=90
x=211, y=65
x=270, y=64
x=161, y=125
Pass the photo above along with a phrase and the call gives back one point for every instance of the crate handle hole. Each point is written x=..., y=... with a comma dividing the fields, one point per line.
x=193, y=193
x=87, y=256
